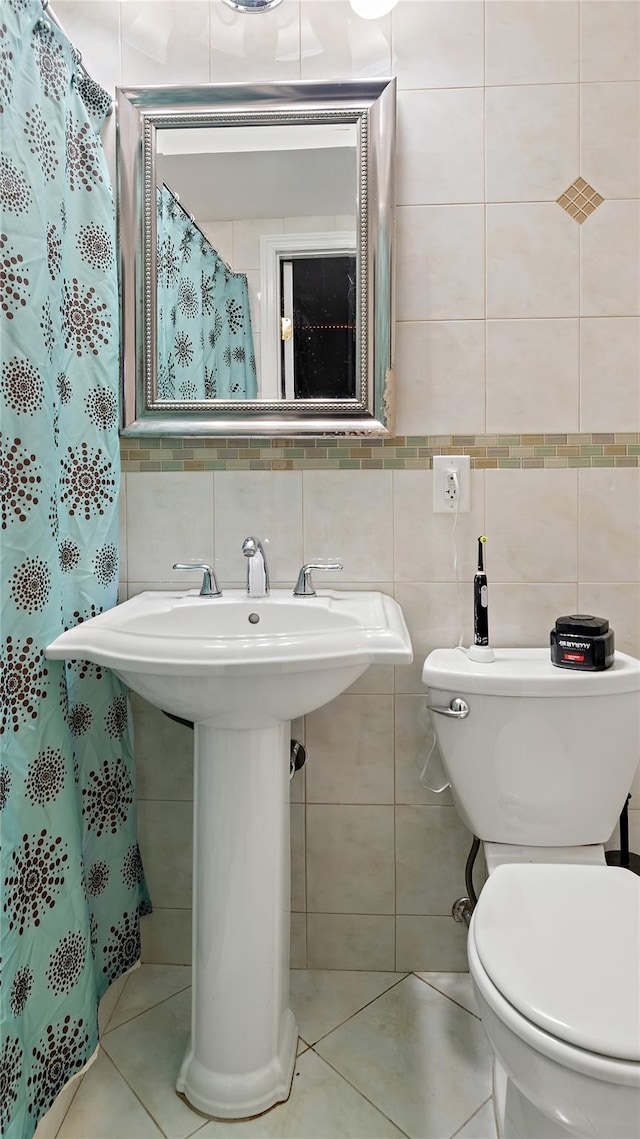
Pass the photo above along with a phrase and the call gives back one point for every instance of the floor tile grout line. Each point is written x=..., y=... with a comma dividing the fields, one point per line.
x=449, y=998
x=69, y=1106
x=137, y=1015
x=361, y=1093
x=358, y=1011
x=134, y=1093
x=120, y=996
x=472, y=1116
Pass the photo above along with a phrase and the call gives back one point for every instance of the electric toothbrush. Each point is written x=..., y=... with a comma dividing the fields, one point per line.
x=480, y=600
x=480, y=650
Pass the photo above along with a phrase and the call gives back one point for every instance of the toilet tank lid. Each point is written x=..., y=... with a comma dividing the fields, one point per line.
x=562, y=945
x=526, y=672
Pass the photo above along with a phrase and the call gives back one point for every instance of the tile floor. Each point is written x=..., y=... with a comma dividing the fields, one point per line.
x=381, y=1056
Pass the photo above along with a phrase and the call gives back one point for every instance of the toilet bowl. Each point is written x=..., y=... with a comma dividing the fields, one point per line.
x=540, y=764
x=554, y=955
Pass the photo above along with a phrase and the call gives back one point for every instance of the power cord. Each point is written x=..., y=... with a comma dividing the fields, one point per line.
x=425, y=717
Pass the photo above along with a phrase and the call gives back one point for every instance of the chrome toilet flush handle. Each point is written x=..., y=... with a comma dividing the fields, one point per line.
x=210, y=587
x=458, y=709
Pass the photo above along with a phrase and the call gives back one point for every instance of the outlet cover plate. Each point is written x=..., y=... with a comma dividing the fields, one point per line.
x=442, y=465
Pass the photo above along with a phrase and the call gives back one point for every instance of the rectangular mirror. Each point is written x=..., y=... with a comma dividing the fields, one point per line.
x=256, y=233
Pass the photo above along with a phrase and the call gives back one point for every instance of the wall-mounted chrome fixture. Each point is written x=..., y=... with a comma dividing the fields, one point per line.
x=252, y=5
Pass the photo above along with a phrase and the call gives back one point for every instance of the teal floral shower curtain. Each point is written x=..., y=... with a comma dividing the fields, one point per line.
x=205, y=343
x=71, y=875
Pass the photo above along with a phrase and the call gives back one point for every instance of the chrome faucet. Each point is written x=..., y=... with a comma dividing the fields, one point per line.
x=210, y=587
x=257, y=569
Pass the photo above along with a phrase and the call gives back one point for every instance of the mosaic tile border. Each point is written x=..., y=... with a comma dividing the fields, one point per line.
x=404, y=452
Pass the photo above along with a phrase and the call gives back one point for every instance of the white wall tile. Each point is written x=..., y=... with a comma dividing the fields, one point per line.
x=423, y=540
x=350, y=751
x=350, y=941
x=378, y=679
x=437, y=615
x=95, y=31
x=610, y=138
x=523, y=615
x=440, y=147
x=532, y=41
x=532, y=523
x=609, y=40
x=314, y=224
x=532, y=141
x=609, y=373
x=298, y=952
x=166, y=937
x=163, y=754
x=609, y=506
x=440, y=377
x=246, y=240
x=413, y=744
x=165, y=831
x=350, y=866
x=360, y=537
x=267, y=504
x=169, y=519
x=620, y=604
x=165, y=43
x=298, y=872
x=440, y=256
x=532, y=375
x=532, y=261
x=438, y=44
x=247, y=48
x=336, y=43
x=610, y=268
x=220, y=234
x=426, y=837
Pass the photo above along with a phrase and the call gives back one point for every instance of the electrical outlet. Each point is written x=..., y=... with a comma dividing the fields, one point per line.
x=451, y=491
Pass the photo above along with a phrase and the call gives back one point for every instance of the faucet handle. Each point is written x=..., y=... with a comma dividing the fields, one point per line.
x=304, y=585
x=210, y=587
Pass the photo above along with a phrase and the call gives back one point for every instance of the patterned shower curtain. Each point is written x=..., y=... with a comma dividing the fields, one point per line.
x=205, y=343
x=71, y=875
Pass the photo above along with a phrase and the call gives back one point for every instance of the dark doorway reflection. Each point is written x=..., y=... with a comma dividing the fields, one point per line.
x=319, y=297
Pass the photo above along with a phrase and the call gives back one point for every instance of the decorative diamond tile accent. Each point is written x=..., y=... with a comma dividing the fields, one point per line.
x=580, y=199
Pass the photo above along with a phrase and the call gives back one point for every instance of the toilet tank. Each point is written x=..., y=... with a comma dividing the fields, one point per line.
x=546, y=755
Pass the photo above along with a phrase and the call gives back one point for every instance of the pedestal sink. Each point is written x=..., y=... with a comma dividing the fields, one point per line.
x=241, y=669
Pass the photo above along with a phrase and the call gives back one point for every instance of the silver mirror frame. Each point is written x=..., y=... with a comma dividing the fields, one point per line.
x=141, y=111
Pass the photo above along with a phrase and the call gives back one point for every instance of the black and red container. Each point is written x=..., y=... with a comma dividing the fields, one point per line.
x=583, y=642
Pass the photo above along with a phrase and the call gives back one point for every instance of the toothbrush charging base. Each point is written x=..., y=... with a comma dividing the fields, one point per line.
x=482, y=654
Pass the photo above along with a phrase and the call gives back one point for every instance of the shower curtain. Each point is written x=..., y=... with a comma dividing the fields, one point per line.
x=71, y=875
x=205, y=343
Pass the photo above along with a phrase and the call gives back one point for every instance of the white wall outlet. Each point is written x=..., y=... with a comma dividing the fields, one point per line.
x=451, y=491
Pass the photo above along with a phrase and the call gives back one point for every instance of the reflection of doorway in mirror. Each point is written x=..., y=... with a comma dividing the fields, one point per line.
x=239, y=243
x=299, y=362
x=318, y=334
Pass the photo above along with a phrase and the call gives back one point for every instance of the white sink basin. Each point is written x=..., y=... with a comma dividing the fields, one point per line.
x=240, y=668
x=241, y=662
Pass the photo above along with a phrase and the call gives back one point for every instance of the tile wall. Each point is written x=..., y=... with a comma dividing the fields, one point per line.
x=517, y=316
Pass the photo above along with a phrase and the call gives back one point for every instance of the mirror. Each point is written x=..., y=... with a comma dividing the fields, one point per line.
x=255, y=232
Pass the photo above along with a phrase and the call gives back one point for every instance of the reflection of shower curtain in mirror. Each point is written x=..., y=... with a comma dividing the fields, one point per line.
x=205, y=344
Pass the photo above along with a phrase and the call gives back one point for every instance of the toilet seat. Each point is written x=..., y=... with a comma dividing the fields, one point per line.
x=561, y=945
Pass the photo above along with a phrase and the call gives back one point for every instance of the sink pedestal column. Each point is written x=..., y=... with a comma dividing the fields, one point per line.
x=243, y=1044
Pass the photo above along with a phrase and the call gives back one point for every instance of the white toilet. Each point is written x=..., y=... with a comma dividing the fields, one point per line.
x=540, y=760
